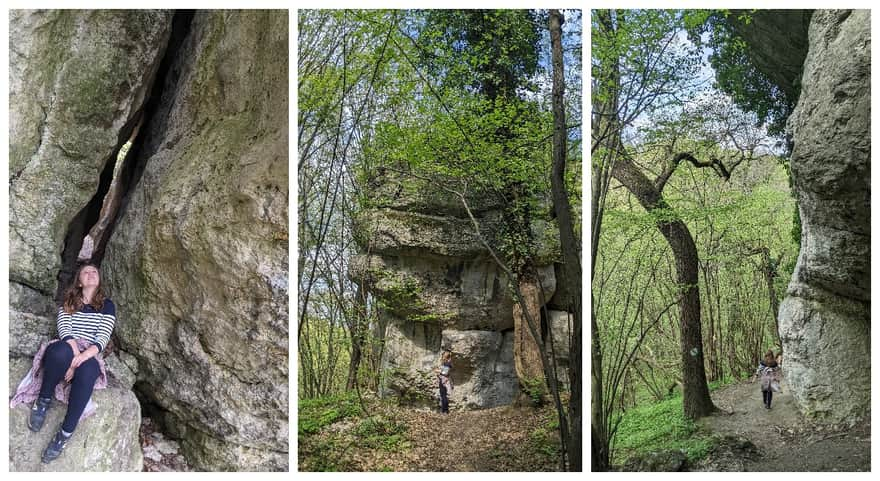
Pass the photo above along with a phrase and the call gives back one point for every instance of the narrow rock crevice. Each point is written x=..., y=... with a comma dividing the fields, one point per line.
x=155, y=108
x=87, y=217
x=90, y=230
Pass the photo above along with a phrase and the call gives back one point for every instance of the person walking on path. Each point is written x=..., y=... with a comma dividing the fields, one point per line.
x=768, y=370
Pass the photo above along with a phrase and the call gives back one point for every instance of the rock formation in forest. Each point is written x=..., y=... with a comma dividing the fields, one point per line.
x=438, y=288
x=825, y=317
x=77, y=83
x=824, y=321
x=196, y=259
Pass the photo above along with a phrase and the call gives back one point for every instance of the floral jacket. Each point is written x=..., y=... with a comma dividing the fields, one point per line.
x=768, y=375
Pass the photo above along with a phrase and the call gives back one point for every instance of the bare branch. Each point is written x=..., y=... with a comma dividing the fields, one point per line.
x=716, y=164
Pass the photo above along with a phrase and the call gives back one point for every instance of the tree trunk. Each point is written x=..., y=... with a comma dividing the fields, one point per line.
x=697, y=402
x=600, y=442
x=720, y=346
x=526, y=353
x=571, y=266
x=358, y=335
x=711, y=360
x=769, y=275
x=605, y=108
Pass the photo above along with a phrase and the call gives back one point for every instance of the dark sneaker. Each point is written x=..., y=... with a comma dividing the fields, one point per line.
x=55, y=447
x=38, y=413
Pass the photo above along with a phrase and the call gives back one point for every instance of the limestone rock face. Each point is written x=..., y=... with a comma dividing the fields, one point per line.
x=106, y=441
x=27, y=331
x=76, y=79
x=454, y=292
x=197, y=264
x=405, y=233
x=559, y=323
x=824, y=320
x=783, y=36
x=483, y=373
x=198, y=258
x=410, y=356
x=438, y=288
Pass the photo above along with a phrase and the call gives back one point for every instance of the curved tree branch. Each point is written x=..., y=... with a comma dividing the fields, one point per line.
x=716, y=164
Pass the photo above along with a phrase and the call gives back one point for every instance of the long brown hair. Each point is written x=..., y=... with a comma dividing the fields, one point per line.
x=446, y=357
x=770, y=358
x=73, y=296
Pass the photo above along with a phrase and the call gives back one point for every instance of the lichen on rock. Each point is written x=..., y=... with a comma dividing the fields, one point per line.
x=195, y=260
x=76, y=78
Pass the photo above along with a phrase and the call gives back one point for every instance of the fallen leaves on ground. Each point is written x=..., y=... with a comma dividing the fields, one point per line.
x=500, y=439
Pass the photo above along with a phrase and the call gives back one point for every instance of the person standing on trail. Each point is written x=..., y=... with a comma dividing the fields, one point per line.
x=444, y=380
x=768, y=369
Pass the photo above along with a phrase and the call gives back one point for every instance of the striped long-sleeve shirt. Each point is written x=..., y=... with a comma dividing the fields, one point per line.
x=89, y=324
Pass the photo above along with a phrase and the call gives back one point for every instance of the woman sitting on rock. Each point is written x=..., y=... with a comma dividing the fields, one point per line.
x=84, y=323
x=769, y=372
x=443, y=376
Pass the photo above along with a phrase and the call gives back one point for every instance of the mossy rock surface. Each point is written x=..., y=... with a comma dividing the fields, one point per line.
x=106, y=441
x=199, y=260
x=77, y=77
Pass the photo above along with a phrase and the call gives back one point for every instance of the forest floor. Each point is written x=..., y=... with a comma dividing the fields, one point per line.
x=783, y=440
x=404, y=439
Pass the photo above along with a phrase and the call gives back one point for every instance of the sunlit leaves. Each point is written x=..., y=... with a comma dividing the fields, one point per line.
x=490, y=51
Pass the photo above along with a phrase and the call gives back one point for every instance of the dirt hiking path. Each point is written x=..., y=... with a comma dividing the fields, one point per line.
x=500, y=439
x=783, y=440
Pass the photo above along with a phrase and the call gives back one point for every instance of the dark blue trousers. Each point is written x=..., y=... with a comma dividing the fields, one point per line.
x=56, y=361
x=768, y=397
x=444, y=399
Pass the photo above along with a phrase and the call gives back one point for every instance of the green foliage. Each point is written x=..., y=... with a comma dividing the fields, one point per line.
x=326, y=462
x=314, y=414
x=400, y=294
x=398, y=103
x=324, y=351
x=535, y=389
x=544, y=439
x=652, y=65
x=382, y=433
x=719, y=383
x=492, y=152
x=796, y=216
x=403, y=296
x=737, y=75
x=649, y=76
x=544, y=442
x=493, y=52
x=727, y=220
x=659, y=426
x=476, y=126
